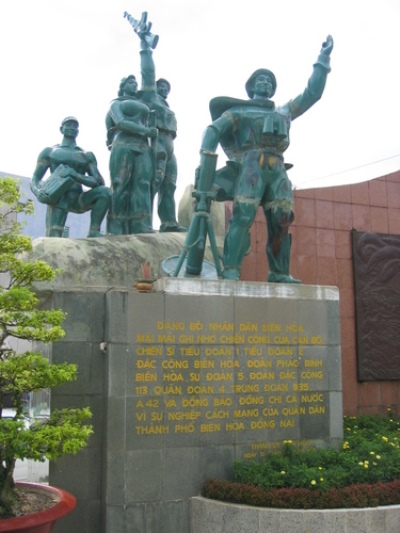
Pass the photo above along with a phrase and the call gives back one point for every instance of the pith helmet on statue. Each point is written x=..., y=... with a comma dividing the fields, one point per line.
x=250, y=82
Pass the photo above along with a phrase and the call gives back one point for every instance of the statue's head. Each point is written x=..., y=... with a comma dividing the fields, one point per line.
x=128, y=84
x=163, y=87
x=66, y=125
x=261, y=74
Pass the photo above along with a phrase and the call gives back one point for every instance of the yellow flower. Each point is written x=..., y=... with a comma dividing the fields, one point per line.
x=321, y=479
x=372, y=453
x=283, y=472
x=320, y=468
x=378, y=456
x=385, y=439
x=313, y=482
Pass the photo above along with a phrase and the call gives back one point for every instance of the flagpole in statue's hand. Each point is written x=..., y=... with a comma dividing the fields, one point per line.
x=142, y=28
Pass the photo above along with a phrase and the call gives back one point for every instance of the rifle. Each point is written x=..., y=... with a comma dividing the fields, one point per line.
x=153, y=147
x=142, y=28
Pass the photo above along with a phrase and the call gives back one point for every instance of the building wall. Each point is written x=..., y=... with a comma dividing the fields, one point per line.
x=322, y=254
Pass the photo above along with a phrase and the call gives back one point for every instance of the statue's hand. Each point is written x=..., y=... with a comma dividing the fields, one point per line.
x=72, y=173
x=92, y=181
x=88, y=181
x=152, y=133
x=40, y=195
x=327, y=46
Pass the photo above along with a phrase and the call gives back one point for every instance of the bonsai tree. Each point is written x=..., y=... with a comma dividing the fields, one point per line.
x=65, y=431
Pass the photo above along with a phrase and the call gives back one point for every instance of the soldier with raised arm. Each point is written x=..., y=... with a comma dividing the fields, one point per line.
x=155, y=95
x=254, y=134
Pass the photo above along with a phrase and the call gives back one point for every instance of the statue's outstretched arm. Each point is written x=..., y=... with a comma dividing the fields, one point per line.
x=148, y=72
x=316, y=83
x=147, y=41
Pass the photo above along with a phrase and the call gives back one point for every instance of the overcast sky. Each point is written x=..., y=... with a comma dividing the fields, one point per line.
x=67, y=57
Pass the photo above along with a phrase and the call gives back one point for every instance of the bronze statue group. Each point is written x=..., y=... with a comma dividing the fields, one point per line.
x=141, y=129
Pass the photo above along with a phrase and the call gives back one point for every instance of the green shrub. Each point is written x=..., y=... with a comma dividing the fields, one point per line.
x=364, y=472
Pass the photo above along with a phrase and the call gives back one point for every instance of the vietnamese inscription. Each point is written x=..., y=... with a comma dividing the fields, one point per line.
x=192, y=378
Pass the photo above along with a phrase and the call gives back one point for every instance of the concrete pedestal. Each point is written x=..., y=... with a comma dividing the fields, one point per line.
x=185, y=380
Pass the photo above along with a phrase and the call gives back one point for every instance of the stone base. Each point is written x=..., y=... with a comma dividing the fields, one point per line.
x=185, y=380
x=210, y=516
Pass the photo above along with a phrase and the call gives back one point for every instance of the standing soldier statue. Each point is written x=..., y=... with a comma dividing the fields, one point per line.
x=155, y=95
x=254, y=134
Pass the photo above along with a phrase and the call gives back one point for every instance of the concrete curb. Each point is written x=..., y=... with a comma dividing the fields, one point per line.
x=211, y=516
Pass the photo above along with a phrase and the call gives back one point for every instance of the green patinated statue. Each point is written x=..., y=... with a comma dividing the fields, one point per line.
x=155, y=95
x=132, y=162
x=133, y=158
x=140, y=169
x=71, y=168
x=254, y=134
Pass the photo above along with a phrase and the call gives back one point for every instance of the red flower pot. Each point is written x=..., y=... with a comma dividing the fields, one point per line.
x=42, y=522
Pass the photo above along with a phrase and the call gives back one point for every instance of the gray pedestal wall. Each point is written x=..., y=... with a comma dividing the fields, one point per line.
x=82, y=474
x=191, y=378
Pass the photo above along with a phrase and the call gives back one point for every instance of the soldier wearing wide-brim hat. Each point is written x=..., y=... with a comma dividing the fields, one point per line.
x=254, y=134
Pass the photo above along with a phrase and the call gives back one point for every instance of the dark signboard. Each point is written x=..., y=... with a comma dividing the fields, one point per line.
x=376, y=260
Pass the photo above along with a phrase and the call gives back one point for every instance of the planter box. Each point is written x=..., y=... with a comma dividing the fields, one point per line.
x=211, y=516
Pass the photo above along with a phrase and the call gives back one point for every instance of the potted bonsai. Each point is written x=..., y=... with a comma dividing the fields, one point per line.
x=65, y=431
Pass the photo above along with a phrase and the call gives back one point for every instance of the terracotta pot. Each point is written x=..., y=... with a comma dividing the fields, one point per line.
x=144, y=285
x=44, y=521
